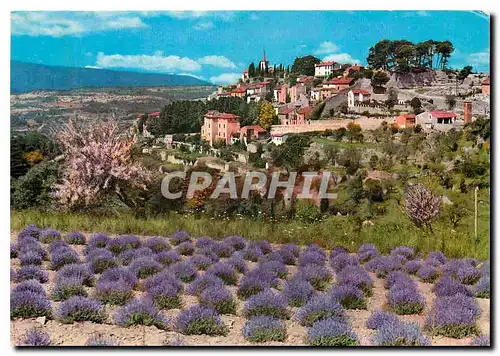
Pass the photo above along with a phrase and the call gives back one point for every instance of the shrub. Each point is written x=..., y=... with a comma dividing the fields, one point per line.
x=400, y=334
x=79, y=308
x=13, y=250
x=113, y=292
x=166, y=295
x=200, y=320
x=267, y=303
x=31, y=285
x=127, y=256
x=32, y=247
x=318, y=276
x=396, y=277
x=30, y=258
x=185, y=248
x=251, y=286
x=100, y=260
x=407, y=252
x=482, y=288
x=101, y=341
x=226, y=272
x=331, y=332
x=237, y=242
x=65, y=288
x=220, y=299
x=204, y=281
x=58, y=244
x=98, y=240
x=252, y=253
x=298, y=292
x=222, y=249
x=453, y=316
x=311, y=257
x=167, y=258
x=23, y=239
x=141, y=312
x=276, y=267
x=157, y=244
x=320, y=307
x=130, y=241
x=293, y=248
x=436, y=257
x=117, y=274
x=287, y=257
x=31, y=230
x=31, y=272
x=49, y=235
x=428, y=273
x=62, y=257
x=468, y=275
x=358, y=277
x=75, y=238
x=184, y=271
x=263, y=245
x=238, y=263
x=447, y=286
x=481, y=340
x=179, y=237
x=412, y=267
x=121, y=243
x=28, y=304
x=264, y=328
x=144, y=267
x=405, y=301
x=204, y=242
x=380, y=318
x=35, y=337
x=350, y=297
x=366, y=255
x=202, y=263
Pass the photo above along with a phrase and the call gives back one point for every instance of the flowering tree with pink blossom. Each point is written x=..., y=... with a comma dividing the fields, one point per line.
x=98, y=161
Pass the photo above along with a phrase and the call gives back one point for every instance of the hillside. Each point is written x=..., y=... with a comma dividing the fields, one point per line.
x=27, y=77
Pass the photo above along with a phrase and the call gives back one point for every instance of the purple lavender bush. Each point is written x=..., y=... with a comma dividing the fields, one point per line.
x=251, y=286
x=265, y=275
x=468, y=275
x=481, y=340
x=331, y=332
x=436, y=258
x=184, y=271
x=31, y=272
x=113, y=292
x=454, y=316
x=267, y=303
x=167, y=258
x=447, y=286
x=98, y=240
x=311, y=257
x=482, y=288
x=380, y=318
x=220, y=299
x=75, y=238
x=404, y=300
x=252, y=253
x=412, y=267
x=287, y=257
x=28, y=304
x=276, y=267
x=349, y=296
x=141, y=312
x=320, y=307
x=366, y=252
x=13, y=250
x=237, y=242
x=226, y=272
x=185, y=248
x=65, y=288
x=400, y=334
x=35, y=337
x=318, y=276
x=32, y=231
x=100, y=260
x=79, y=308
x=127, y=256
x=407, y=252
x=62, y=257
x=144, y=267
x=298, y=292
x=222, y=249
x=30, y=258
x=179, y=237
x=201, y=262
x=203, y=242
x=166, y=295
x=31, y=285
x=293, y=248
x=49, y=235
x=263, y=329
x=263, y=245
x=358, y=277
x=238, y=262
x=32, y=246
x=57, y=244
x=157, y=244
x=200, y=320
x=204, y=281
x=116, y=274
x=396, y=277
x=101, y=341
x=428, y=273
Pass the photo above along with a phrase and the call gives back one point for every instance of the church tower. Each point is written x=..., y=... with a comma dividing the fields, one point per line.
x=264, y=63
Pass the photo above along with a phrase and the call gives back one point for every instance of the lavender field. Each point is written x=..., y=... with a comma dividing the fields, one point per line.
x=75, y=289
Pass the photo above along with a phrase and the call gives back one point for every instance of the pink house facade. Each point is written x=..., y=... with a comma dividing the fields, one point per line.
x=219, y=127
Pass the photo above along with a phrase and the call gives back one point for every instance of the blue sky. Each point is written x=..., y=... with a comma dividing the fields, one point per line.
x=218, y=46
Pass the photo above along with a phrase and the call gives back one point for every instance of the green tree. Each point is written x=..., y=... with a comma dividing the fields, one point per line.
x=350, y=158
x=450, y=101
x=290, y=155
x=464, y=73
x=392, y=98
x=416, y=105
x=267, y=115
x=251, y=70
x=353, y=132
x=331, y=153
x=379, y=79
x=305, y=65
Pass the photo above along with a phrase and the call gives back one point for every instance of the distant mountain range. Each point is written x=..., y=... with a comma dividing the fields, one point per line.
x=25, y=77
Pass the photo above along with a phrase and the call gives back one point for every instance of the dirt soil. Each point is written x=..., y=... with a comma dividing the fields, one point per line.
x=77, y=334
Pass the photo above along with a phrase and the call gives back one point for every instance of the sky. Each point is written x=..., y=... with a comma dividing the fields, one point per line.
x=218, y=45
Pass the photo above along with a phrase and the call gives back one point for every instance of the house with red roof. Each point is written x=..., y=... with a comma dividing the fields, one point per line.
x=405, y=121
x=303, y=114
x=357, y=96
x=338, y=83
x=485, y=86
x=252, y=132
x=324, y=69
x=219, y=126
x=287, y=116
x=354, y=68
x=438, y=120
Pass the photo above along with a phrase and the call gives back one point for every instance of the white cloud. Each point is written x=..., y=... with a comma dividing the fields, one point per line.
x=343, y=58
x=192, y=75
x=154, y=63
x=203, y=26
x=223, y=15
x=217, y=61
x=326, y=47
x=479, y=58
x=58, y=24
x=93, y=67
x=225, y=78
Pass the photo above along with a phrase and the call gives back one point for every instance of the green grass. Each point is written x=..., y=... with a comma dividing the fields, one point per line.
x=342, y=144
x=389, y=231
